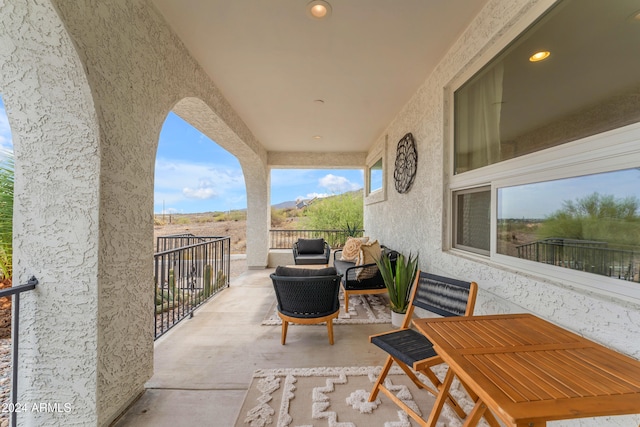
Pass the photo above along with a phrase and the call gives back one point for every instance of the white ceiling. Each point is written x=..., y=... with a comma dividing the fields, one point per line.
x=272, y=61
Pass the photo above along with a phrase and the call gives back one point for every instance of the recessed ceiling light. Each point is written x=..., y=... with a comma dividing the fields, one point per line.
x=635, y=16
x=539, y=56
x=319, y=9
x=317, y=137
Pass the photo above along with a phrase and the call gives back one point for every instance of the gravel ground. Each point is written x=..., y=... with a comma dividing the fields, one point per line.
x=238, y=266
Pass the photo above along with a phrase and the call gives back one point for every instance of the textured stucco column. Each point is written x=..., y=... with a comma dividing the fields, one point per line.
x=56, y=215
x=258, y=181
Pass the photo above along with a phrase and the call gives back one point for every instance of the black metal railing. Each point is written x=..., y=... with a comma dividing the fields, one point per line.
x=284, y=239
x=584, y=255
x=174, y=241
x=15, y=291
x=187, y=276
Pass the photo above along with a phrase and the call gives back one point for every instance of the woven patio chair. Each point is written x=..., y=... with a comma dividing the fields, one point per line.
x=411, y=350
x=311, y=251
x=307, y=296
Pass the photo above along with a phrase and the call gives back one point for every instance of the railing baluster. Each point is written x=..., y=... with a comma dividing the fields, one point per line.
x=15, y=291
x=589, y=256
x=187, y=256
x=284, y=239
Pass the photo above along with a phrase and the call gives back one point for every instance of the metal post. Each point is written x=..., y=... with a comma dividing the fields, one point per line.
x=15, y=330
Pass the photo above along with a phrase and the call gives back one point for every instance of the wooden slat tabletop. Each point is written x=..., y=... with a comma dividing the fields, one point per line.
x=529, y=370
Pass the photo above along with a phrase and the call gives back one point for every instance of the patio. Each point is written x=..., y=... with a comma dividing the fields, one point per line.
x=88, y=85
x=203, y=366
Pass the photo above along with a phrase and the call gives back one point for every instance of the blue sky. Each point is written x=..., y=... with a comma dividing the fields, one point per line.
x=194, y=174
x=6, y=142
x=543, y=198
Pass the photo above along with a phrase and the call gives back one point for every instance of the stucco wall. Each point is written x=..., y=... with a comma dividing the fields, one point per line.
x=415, y=221
x=87, y=86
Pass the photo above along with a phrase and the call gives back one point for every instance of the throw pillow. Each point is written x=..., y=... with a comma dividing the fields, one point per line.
x=351, y=249
x=369, y=253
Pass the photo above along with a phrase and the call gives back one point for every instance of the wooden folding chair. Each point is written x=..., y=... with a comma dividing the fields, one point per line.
x=411, y=350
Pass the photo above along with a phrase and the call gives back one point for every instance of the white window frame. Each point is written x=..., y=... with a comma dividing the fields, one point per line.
x=378, y=153
x=454, y=221
x=610, y=151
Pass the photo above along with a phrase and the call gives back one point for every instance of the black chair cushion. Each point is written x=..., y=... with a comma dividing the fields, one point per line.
x=304, y=272
x=406, y=345
x=310, y=246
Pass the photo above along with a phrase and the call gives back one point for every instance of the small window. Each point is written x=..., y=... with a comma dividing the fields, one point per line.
x=375, y=176
x=472, y=220
x=375, y=186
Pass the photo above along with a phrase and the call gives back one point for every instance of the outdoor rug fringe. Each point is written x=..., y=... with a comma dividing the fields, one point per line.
x=337, y=397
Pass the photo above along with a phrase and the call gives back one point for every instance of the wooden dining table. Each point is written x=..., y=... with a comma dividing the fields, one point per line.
x=527, y=371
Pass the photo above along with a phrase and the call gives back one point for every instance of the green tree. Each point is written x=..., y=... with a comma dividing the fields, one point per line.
x=6, y=213
x=339, y=212
x=596, y=217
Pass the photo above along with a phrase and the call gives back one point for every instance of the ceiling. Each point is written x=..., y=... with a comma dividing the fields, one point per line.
x=291, y=77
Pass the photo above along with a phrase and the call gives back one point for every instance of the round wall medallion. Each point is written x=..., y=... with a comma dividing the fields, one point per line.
x=406, y=163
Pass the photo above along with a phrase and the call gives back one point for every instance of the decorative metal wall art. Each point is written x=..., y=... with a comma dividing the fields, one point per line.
x=406, y=163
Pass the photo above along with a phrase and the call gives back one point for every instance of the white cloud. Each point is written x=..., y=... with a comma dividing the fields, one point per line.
x=313, y=195
x=337, y=184
x=204, y=191
x=181, y=174
x=177, y=181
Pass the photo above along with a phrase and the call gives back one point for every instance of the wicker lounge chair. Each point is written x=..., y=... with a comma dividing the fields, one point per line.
x=307, y=296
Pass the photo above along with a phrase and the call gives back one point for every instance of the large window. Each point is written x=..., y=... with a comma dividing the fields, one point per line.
x=546, y=155
x=589, y=83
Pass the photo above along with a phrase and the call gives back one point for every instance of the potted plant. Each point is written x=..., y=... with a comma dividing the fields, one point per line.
x=398, y=279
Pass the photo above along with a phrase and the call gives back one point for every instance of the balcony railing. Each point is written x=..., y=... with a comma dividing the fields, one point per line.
x=284, y=239
x=15, y=333
x=187, y=276
x=174, y=241
x=584, y=255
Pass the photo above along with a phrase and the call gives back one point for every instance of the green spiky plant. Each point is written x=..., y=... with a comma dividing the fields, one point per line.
x=399, y=283
x=6, y=214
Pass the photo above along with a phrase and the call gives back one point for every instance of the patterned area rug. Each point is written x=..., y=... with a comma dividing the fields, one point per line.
x=337, y=397
x=363, y=309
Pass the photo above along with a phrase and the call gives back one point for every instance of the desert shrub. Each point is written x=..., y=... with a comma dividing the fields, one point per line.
x=278, y=217
x=339, y=212
x=231, y=216
x=596, y=217
x=182, y=220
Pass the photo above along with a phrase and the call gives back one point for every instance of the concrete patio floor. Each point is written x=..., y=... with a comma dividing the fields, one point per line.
x=203, y=367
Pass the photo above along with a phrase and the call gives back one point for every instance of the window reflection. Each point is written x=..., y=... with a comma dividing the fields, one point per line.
x=589, y=84
x=589, y=223
x=375, y=176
